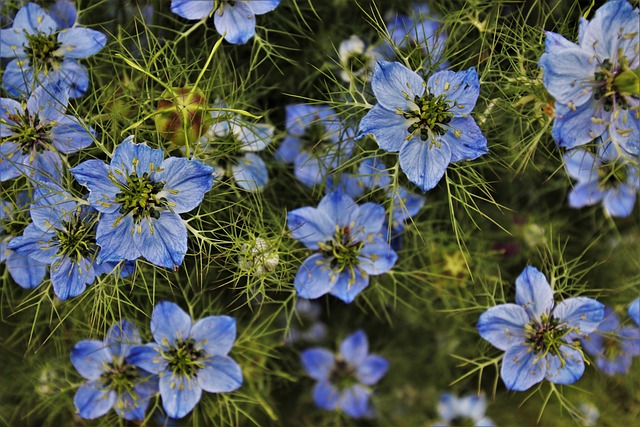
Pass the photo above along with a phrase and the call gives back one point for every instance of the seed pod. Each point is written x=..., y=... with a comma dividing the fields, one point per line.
x=181, y=116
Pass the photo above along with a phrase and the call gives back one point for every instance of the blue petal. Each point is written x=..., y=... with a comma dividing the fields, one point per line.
x=220, y=374
x=263, y=6
x=533, y=292
x=147, y=357
x=80, y=42
x=238, y=22
x=347, y=287
x=255, y=136
x=92, y=400
x=162, y=241
x=50, y=210
x=35, y=243
x=619, y=202
x=339, y=207
x=355, y=348
x=48, y=103
x=581, y=165
x=625, y=127
x=567, y=71
x=191, y=9
x=372, y=369
x=366, y=221
x=12, y=43
x=121, y=336
x=69, y=136
x=572, y=128
x=116, y=240
x=90, y=357
x=405, y=205
x=18, y=78
x=169, y=323
x=447, y=406
x=520, y=368
x=94, y=175
x=424, y=165
x=139, y=158
x=25, y=271
x=71, y=76
x=10, y=112
x=472, y=407
x=64, y=13
x=374, y=173
x=301, y=116
x=288, y=150
x=130, y=407
x=389, y=129
x=315, y=277
x=33, y=19
x=377, y=257
x=180, y=394
x=581, y=313
x=310, y=226
x=310, y=169
x=601, y=36
x=465, y=139
x=634, y=310
x=318, y=362
x=461, y=86
x=69, y=278
x=503, y=325
x=567, y=371
x=585, y=194
x=185, y=182
x=250, y=173
x=355, y=401
x=214, y=334
x=396, y=86
x=325, y=395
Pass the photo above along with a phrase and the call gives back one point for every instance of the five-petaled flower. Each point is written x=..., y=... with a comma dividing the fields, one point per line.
x=538, y=336
x=140, y=196
x=345, y=379
x=349, y=244
x=46, y=54
x=189, y=357
x=429, y=124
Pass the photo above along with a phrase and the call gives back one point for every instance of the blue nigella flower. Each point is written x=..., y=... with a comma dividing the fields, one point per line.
x=613, y=346
x=462, y=411
x=634, y=310
x=315, y=142
x=234, y=19
x=349, y=244
x=45, y=54
x=62, y=236
x=113, y=379
x=429, y=124
x=539, y=336
x=237, y=141
x=24, y=270
x=595, y=82
x=30, y=131
x=345, y=379
x=140, y=196
x=189, y=357
x=610, y=178
x=305, y=325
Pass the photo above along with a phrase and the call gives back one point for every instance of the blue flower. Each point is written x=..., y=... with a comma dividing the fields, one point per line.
x=634, y=311
x=189, y=357
x=357, y=59
x=349, y=245
x=613, y=346
x=45, y=54
x=25, y=270
x=345, y=379
x=29, y=132
x=429, y=124
x=462, y=411
x=315, y=142
x=62, y=236
x=234, y=142
x=539, y=336
x=610, y=178
x=140, y=196
x=305, y=325
x=113, y=379
x=595, y=81
x=234, y=19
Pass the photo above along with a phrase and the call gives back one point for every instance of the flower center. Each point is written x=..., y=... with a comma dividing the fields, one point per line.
x=343, y=375
x=41, y=51
x=610, y=84
x=119, y=375
x=140, y=195
x=342, y=250
x=432, y=116
x=29, y=133
x=76, y=239
x=546, y=336
x=612, y=348
x=612, y=174
x=184, y=358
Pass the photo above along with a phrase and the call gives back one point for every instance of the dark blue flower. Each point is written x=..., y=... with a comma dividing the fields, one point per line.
x=462, y=411
x=634, y=311
x=140, y=196
x=113, y=379
x=349, y=244
x=612, y=345
x=189, y=357
x=234, y=19
x=345, y=379
x=429, y=124
x=538, y=336
x=315, y=142
x=608, y=177
x=29, y=132
x=595, y=82
x=45, y=54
